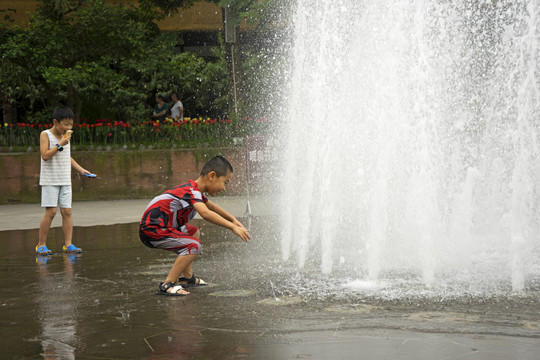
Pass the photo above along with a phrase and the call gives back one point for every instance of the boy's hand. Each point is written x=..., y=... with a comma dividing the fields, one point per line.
x=242, y=232
x=238, y=223
x=66, y=138
x=64, y=141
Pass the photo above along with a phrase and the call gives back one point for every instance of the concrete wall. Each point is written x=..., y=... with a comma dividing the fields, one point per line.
x=124, y=174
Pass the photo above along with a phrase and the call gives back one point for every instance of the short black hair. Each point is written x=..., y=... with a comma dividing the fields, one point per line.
x=63, y=112
x=218, y=164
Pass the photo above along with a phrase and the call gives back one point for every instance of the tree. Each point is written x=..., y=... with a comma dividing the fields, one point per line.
x=264, y=52
x=108, y=60
x=77, y=50
x=203, y=84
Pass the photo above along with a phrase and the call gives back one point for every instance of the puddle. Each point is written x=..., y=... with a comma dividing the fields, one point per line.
x=443, y=316
x=101, y=304
x=233, y=293
x=353, y=308
x=282, y=301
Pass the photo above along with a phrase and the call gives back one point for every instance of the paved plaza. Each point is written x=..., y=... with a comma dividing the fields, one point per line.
x=101, y=304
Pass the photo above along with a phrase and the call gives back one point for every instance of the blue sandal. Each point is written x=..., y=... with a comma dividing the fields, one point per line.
x=71, y=249
x=43, y=260
x=43, y=250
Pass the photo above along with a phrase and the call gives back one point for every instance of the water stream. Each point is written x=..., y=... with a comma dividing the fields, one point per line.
x=411, y=150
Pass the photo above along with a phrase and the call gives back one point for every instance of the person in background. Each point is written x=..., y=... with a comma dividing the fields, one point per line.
x=161, y=109
x=177, y=111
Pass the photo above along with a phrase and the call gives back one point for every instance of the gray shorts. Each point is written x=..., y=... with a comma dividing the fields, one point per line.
x=56, y=196
x=181, y=242
x=181, y=246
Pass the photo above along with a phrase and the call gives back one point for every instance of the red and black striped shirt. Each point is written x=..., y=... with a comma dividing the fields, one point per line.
x=169, y=212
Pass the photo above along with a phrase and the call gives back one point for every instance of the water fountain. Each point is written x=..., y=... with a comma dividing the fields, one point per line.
x=412, y=144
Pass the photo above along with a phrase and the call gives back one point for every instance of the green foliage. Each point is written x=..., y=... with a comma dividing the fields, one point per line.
x=202, y=85
x=265, y=58
x=107, y=60
x=254, y=12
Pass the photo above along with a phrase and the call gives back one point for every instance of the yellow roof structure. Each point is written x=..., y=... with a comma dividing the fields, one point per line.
x=202, y=16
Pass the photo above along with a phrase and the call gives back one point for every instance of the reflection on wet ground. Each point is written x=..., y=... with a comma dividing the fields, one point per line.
x=101, y=304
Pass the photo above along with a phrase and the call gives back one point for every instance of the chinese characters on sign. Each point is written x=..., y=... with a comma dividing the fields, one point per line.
x=262, y=154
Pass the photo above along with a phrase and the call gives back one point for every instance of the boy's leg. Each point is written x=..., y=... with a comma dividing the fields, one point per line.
x=45, y=225
x=64, y=202
x=188, y=271
x=67, y=225
x=180, y=264
x=185, y=244
x=49, y=200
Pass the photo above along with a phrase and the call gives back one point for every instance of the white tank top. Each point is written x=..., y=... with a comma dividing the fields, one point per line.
x=57, y=170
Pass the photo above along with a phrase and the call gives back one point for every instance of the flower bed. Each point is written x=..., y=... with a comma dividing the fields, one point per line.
x=192, y=132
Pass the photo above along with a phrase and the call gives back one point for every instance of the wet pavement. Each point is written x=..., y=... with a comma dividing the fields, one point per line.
x=101, y=304
x=89, y=213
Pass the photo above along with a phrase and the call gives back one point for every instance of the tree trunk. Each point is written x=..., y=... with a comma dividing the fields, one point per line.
x=74, y=102
x=7, y=111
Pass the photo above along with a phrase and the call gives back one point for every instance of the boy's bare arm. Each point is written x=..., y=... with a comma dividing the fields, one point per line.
x=78, y=168
x=216, y=218
x=221, y=211
x=46, y=153
x=224, y=213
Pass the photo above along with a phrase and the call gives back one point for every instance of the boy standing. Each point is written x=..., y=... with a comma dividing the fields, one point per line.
x=164, y=224
x=55, y=178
